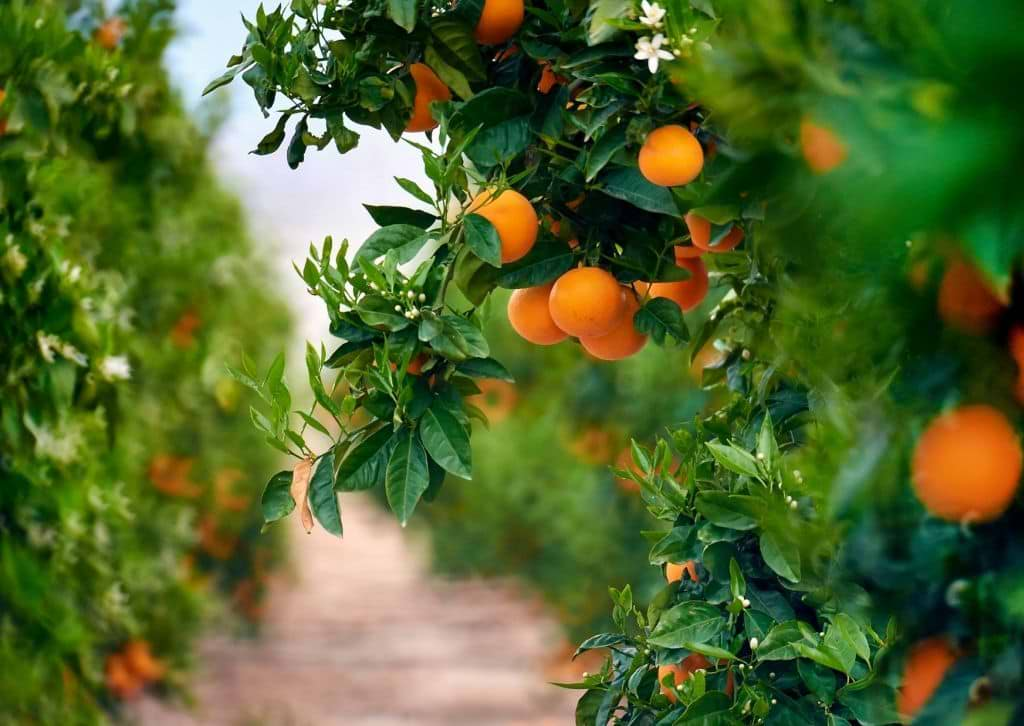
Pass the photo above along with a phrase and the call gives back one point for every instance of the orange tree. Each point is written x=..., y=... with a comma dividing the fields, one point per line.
x=790, y=150
x=125, y=283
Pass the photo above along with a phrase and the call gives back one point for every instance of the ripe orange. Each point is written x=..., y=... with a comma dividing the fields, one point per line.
x=671, y=156
x=707, y=357
x=183, y=333
x=674, y=572
x=686, y=252
x=429, y=88
x=108, y=36
x=925, y=668
x=170, y=475
x=594, y=445
x=623, y=340
x=687, y=294
x=223, y=484
x=499, y=21
x=587, y=302
x=513, y=216
x=530, y=316
x=119, y=678
x=700, y=235
x=965, y=300
x=140, y=661
x=497, y=399
x=681, y=672
x=967, y=464
x=822, y=149
x=216, y=545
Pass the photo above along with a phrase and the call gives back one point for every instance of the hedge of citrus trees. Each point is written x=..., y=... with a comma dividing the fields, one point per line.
x=126, y=282
x=842, y=520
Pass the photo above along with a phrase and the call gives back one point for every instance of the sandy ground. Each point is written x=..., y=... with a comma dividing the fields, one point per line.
x=363, y=635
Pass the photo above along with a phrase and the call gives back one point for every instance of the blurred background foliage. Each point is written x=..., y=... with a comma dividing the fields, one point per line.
x=127, y=281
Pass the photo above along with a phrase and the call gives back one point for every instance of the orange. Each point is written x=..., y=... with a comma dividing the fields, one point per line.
x=593, y=445
x=108, y=36
x=622, y=341
x=700, y=235
x=120, y=680
x=530, y=316
x=499, y=21
x=555, y=225
x=214, y=543
x=497, y=399
x=926, y=666
x=965, y=301
x=548, y=78
x=140, y=661
x=671, y=156
x=223, y=484
x=429, y=88
x=587, y=302
x=681, y=672
x=170, y=475
x=707, y=357
x=822, y=149
x=674, y=572
x=513, y=216
x=183, y=332
x=967, y=464
x=687, y=252
x=687, y=294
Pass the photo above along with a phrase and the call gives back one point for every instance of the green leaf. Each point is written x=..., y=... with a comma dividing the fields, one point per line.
x=687, y=624
x=500, y=144
x=720, y=214
x=602, y=640
x=387, y=216
x=403, y=13
x=411, y=187
x=871, y=706
x=446, y=439
x=449, y=74
x=322, y=498
x=782, y=557
x=820, y=680
x=452, y=40
x=407, y=475
x=365, y=465
x=599, y=29
x=734, y=459
x=603, y=151
x=272, y=141
x=484, y=368
x=548, y=260
x=406, y=239
x=661, y=318
x=767, y=446
x=628, y=184
x=780, y=641
x=711, y=709
x=375, y=310
x=459, y=339
x=732, y=511
x=277, y=501
x=483, y=239
x=851, y=632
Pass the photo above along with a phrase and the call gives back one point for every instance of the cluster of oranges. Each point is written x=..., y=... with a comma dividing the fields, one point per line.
x=131, y=669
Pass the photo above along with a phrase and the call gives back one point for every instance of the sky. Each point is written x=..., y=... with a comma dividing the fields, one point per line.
x=287, y=209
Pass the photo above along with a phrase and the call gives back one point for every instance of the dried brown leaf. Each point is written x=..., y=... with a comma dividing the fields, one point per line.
x=300, y=490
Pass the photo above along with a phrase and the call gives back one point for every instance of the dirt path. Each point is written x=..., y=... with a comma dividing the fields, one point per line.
x=362, y=635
